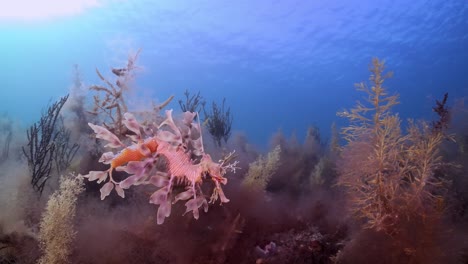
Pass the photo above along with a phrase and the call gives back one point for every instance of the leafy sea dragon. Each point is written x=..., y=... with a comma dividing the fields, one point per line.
x=176, y=145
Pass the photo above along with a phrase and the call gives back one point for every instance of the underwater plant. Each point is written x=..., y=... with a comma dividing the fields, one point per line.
x=218, y=122
x=427, y=184
x=300, y=169
x=370, y=167
x=180, y=148
x=390, y=175
x=110, y=103
x=262, y=169
x=192, y=103
x=65, y=151
x=48, y=143
x=56, y=232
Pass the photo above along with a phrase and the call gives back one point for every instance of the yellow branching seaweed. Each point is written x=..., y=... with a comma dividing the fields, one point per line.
x=388, y=174
x=56, y=229
x=370, y=167
x=261, y=170
x=372, y=112
x=424, y=189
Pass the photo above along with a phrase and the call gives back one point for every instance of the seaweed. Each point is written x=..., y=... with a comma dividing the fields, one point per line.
x=41, y=147
x=192, y=103
x=110, y=101
x=390, y=175
x=218, y=121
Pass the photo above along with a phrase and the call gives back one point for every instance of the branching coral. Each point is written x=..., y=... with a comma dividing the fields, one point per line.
x=180, y=147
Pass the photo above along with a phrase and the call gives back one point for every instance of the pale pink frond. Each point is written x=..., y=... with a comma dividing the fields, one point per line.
x=135, y=167
x=119, y=191
x=196, y=213
x=194, y=204
x=168, y=136
x=201, y=201
x=96, y=175
x=164, y=211
x=187, y=118
x=166, y=208
x=184, y=195
x=160, y=196
x=192, y=207
x=125, y=184
x=196, y=127
x=220, y=193
x=106, y=189
x=159, y=181
x=107, y=157
x=170, y=122
x=132, y=124
x=103, y=133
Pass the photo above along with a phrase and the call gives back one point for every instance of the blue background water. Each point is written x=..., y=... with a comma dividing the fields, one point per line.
x=280, y=64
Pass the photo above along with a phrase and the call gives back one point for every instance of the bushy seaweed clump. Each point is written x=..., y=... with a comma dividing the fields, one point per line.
x=392, y=178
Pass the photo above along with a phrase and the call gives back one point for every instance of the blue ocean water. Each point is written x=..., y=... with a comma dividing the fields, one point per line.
x=279, y=64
